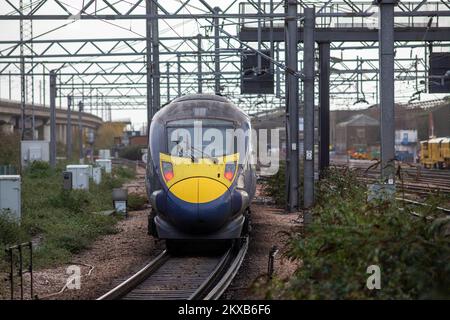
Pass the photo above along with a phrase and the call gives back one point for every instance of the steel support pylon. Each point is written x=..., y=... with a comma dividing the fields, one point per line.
x=69, y=128
x=387, y=117
x=52, y=118
x=292, y=104
x=308, y=91
x=324, y=106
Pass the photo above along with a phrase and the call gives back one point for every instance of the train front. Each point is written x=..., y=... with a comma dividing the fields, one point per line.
x=199, y=166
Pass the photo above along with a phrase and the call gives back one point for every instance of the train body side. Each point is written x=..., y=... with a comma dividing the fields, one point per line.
x=435, y=153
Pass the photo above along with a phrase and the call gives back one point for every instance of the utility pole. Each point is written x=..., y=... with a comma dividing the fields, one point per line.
x=292, y=128
x=324, y=106
x=40, y=92
x=258, y=57
x=148, y=55
x=9, y=80
x=69, y=128
x=179, y=73
x=168, y=80
x=52, y=118
x=43, y=85
x=199, y=63
x=96, y=104
x=216, y=51
x=308, y=91
x=277, y=72
x=155, y=54
x=386, y=57
x=80, y=130
x=22, y=75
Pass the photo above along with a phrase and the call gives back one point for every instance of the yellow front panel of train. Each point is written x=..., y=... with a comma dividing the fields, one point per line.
x=187, y=189
x=201, y=181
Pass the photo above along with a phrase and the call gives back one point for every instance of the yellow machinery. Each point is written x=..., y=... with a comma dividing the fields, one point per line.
x=435, y=153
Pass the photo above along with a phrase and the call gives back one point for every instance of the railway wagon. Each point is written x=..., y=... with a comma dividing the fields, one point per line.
x=203, y=181
x=435, y=153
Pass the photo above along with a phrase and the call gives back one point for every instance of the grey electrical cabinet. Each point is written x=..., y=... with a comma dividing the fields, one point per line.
x=34, y=150
x=67, y=180
x=80, y=175
x=104, y=154
x=10, y=200
x=105, y=164
x=97, y=175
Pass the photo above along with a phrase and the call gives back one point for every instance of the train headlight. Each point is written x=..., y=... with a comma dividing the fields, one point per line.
x=167, y=170
x=230, y=169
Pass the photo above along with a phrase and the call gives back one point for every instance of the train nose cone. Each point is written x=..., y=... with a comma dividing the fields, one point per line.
x=199, y=204
x=198, y=190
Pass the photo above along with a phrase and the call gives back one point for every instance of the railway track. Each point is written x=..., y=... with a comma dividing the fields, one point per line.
x=181, y=277
x=130, y=163
x=414, y=179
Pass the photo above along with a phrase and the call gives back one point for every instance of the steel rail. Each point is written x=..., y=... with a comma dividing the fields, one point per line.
x=126, y=286
x=447, y=211
x=211, y=288
x=225, y=281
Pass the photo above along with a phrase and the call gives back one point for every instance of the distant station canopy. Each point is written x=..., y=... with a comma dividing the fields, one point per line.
x=439, y=76
x=256, y=80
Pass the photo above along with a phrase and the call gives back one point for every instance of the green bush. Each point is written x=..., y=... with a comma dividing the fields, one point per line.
x=10, y=149
x=10, y=234
x=39, y=170
x=123, y=172
x=136, y=201
x=275, y=186
x=132, y=152
x=10, y=231
x=110, y=182
x=74, y=200
x=348, y=234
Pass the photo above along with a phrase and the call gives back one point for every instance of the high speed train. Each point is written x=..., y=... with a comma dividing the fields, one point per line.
x=200, y=173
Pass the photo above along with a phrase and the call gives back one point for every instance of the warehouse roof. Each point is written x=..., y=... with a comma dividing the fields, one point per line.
x=359, y=120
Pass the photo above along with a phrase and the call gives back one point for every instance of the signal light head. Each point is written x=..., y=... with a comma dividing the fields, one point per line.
x=167, y=170
x=230, y=169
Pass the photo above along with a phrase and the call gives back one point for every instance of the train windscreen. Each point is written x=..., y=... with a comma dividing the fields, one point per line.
x=201, y=138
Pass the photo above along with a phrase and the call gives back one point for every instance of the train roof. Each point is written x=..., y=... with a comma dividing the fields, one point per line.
x=201, y=97
x=437, y=140
x=201, y=106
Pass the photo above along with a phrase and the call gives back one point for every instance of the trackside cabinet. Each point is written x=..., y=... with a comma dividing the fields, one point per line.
x=80, y=175
x=105, y=164
x=97, y=175
x=10, y=199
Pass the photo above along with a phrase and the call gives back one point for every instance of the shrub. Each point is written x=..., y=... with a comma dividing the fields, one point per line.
x=136, y=201
x=275, y=186
x=10, y=149
x=10, y=231
x=109, y=182
x=348, y=234
x=123, y=172
x=39, y=170
x=132, y=152
x=76, y=201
